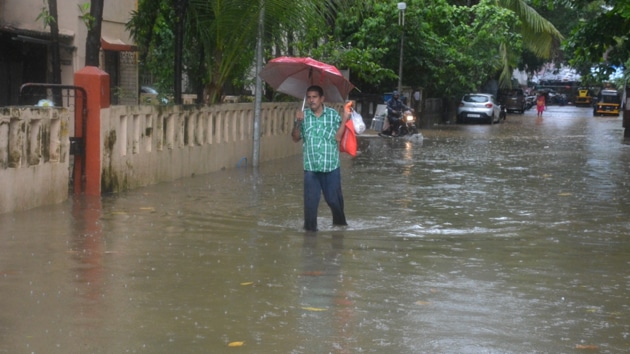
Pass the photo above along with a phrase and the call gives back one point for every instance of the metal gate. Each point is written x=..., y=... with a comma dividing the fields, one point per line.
x=75, y=99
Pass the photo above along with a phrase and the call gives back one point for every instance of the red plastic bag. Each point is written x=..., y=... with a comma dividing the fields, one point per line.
x=348, y=141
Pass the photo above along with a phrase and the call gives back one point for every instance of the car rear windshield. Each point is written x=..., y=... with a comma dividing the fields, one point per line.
x=512, y=92
x=475, y=98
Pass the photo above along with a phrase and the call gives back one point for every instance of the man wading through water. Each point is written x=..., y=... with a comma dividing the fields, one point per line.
x=321, y=129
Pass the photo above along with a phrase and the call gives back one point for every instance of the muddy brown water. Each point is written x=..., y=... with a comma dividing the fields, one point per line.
x=511, y=238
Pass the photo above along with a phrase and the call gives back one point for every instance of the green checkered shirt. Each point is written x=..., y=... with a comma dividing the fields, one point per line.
x=321, y=152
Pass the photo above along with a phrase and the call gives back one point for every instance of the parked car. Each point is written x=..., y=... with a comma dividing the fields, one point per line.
x=514, y=100
x=478, y=107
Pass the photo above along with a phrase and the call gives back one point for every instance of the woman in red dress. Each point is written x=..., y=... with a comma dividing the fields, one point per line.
x=540, y=104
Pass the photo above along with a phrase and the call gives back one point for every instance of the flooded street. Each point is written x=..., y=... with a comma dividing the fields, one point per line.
x=510, y=238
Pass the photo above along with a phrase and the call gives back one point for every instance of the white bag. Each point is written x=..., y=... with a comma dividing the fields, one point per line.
x=357, y=121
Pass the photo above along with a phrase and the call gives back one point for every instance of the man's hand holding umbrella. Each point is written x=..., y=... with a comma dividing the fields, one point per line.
x=297, y=125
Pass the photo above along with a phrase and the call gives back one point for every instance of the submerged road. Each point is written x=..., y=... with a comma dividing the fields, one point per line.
x=510, y=238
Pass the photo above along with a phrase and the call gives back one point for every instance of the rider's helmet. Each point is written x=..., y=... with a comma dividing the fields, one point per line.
x=395, y=94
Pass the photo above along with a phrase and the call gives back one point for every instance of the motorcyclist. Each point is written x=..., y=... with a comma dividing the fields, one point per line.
x=395, y=109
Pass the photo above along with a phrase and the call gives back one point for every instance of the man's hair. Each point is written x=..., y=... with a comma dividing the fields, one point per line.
x=316, y=88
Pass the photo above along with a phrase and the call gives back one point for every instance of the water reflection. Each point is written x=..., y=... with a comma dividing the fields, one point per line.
x=87, y=251
x=327, y=307
x=508, y=238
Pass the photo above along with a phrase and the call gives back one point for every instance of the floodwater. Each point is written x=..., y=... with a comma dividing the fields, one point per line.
x=511, y=238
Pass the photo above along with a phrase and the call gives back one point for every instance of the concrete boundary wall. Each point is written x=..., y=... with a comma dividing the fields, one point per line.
x=34, y=155
x=141, y=145
x=144, y=145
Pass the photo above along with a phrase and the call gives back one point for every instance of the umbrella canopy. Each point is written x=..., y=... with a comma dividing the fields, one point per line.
x=294, y=75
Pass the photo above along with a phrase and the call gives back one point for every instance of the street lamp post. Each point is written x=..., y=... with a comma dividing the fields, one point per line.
x=401, y=22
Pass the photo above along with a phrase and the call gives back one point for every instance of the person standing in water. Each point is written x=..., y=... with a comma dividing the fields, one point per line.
x=320, y=128
x=540, y=104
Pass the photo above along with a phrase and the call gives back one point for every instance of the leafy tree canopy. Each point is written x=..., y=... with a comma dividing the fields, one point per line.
x=448, y=49
x=219, y=35
x=602, y=41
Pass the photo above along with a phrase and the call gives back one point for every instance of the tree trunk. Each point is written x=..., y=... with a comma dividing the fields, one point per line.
x=198, y=81
x=55, y=58
x=93, y=41
x=290, y=43
x=213, y=89
x=180, y=9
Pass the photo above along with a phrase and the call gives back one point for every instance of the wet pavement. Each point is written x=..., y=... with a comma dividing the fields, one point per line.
x=511, y=238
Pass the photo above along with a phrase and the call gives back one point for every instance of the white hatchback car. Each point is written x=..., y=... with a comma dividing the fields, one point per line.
x=478, y=107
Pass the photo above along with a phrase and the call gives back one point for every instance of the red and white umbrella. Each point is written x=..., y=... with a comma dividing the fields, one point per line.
x=293, y=76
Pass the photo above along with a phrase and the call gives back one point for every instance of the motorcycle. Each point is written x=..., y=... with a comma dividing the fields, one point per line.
x=406, y=126
x=530, y=102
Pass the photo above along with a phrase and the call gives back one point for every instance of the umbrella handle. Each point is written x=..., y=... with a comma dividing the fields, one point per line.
x=303, y=102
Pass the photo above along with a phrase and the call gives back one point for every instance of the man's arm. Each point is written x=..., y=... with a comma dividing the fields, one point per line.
x=344, y=119
x=393, y=108
x=297, y=126
x=390, y=106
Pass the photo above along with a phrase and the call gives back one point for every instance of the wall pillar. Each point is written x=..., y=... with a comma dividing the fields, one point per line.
x=87, y=171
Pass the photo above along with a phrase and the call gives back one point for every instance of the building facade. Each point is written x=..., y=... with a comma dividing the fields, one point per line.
x=25, y=47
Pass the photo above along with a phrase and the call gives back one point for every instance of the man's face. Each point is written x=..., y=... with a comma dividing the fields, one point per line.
x=396, y=96
x=314, y=100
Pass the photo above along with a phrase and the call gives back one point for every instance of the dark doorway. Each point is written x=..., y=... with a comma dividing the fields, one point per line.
x=20, y=62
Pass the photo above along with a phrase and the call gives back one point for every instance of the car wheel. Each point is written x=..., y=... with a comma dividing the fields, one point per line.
x=492, y=119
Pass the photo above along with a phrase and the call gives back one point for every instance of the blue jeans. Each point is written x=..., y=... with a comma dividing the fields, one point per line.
x=330, y=184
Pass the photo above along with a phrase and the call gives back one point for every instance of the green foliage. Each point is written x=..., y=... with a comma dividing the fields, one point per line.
x=87, y=19
x=486, y=36
x=152, y=27
x=220, y=36
x=447, y=49
x=601, y=42
x=228, y=30
x=539, y=35
x=45, y=16
x=362, y=62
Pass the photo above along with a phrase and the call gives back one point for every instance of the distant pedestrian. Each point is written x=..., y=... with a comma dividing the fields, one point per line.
x=417, y=101
x=540, y=104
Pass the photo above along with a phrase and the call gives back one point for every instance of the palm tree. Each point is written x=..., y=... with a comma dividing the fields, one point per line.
x=539, y=36
x=229, y=30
